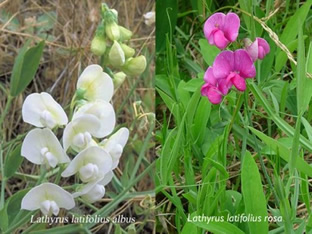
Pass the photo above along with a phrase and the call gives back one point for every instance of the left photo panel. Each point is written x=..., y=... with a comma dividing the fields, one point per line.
x=77, y=116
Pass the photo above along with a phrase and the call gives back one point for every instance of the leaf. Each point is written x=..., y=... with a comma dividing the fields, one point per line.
x=283, y=152
x=13, y=204
x=25, y=67
x=208, y=51
x=13, y=162
x=4, y=219
x=308, y=127
x=253, y=195
x=304, y=85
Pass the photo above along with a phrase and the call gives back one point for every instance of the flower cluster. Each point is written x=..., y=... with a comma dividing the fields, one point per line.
x=94, y=160
x=110, y=42
x=230, y=67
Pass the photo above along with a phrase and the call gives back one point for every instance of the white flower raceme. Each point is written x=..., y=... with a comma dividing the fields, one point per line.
x=149, y=18
x=91, y=164
x=93, y=192
x=78, y=133
x=95, y=84
x=41, y=146
x=49, y=198
x=105, y=113
x=41, y=110
x=115, y=144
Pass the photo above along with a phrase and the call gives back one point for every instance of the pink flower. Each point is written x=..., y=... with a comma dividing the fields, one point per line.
x=257, y=49
x=229, y=68
x=221, y=29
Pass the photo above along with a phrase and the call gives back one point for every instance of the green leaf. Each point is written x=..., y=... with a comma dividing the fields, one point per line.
x=283, y=152
x=304, y=85
x=13, y=162
x=253, y=195
x=13, y=204
x=4, y=219
x=25, y=67
x=208, y=51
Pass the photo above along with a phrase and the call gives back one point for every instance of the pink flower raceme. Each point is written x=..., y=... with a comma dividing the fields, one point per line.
x=221, y=29
x=229, y=68
x=257, y=49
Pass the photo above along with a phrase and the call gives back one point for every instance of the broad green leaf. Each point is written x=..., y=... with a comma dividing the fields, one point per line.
x=13, y=204
x=25, y=67
x=4, y=219
x=253, y=195
x=209, y=52
x=13, y=161
x=307, y=127
x=283, y=152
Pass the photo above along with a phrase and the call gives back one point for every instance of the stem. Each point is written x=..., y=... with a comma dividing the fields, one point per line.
x=20, y=222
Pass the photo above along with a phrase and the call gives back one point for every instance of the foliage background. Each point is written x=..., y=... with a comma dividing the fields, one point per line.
x=252, y=153
x=68, y=28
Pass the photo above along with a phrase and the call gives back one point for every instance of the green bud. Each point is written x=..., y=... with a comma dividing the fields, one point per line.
x=116, y=55
x=129, y=52
x=112, y=31
x=125, y=34
x=98, y=46
x=119, y=78
x=134, y=66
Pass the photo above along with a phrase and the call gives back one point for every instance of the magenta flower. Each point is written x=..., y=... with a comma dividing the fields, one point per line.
x=221, y=29
x=257, y=49
x=229, y=68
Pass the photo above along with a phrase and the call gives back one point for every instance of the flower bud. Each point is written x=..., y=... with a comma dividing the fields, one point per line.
x=116, y=55
x=112, y=31
x=135, y=66
x=129, y=52
x=119, y=78
x=149, y=18
x=98, y=45
x=125, y=34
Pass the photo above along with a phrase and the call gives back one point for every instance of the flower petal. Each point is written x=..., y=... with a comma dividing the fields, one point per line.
x=239, y=83
x=220, y=40
x=244, y=64
x=81, y=125
x=96, y=83
x=38, y=139
x=231, y=26
x=212, y=23
x=37, y=106
x=264, y=47
x=209, y=77
x=105, y=113
x=223, y=64
x=107, y=178
x=94, y=155
x=214, y=96
x=47, y=191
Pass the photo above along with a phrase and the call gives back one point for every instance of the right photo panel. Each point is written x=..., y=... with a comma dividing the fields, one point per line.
x=233, y=105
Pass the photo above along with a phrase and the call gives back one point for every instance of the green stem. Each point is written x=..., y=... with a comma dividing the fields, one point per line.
x=20, y=222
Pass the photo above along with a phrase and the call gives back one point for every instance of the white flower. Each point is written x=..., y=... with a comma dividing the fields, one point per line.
x=104, y=112
x=91, y=164
x=78, y=133
x=41, y=146
x=41, y=110
x=115, y=144
x=95, y=84
x=149, y=18
x=112, y=31
x=49, y=198
x=93, y=192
